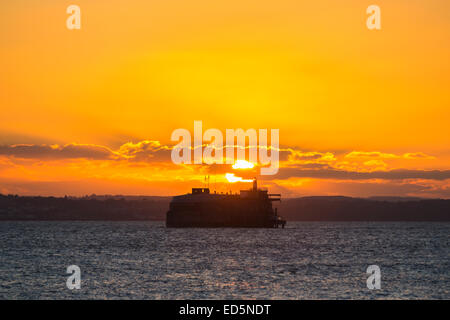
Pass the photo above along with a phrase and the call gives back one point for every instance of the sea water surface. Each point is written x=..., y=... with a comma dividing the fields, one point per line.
x=144, y=260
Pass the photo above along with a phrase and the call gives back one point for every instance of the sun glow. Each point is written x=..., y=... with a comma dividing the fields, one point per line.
x=243, y=164
x=232, y=178
x=224, y=65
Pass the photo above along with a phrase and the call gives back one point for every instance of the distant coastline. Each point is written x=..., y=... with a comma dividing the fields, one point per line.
x=148, y=208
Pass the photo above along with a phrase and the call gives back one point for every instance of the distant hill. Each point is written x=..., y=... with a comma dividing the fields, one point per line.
x=395, y=199
x=358, y=209
x=122, y=197
x=122, y=208
x=114, y=208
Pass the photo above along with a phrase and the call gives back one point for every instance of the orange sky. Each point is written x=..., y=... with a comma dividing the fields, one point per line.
x=360, y=112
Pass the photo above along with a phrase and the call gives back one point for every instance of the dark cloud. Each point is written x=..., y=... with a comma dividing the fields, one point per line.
x=145, y=151
x=48, y=152
x=285, y=173
x=311, y=166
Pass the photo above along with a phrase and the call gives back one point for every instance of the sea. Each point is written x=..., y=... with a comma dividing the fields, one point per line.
x=145, y=260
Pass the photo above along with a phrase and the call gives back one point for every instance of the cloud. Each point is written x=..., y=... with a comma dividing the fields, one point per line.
x=370, y=154
x=146, y=150
x=376, y=164
x=417, y=155
x=299, y=157
x=382, y=155
x=147, y=165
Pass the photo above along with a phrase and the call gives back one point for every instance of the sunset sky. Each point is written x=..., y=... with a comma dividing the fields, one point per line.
x=360, y=112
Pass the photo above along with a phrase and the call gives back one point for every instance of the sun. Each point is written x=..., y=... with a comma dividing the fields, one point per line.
x=242, y=164
x=239, y=164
